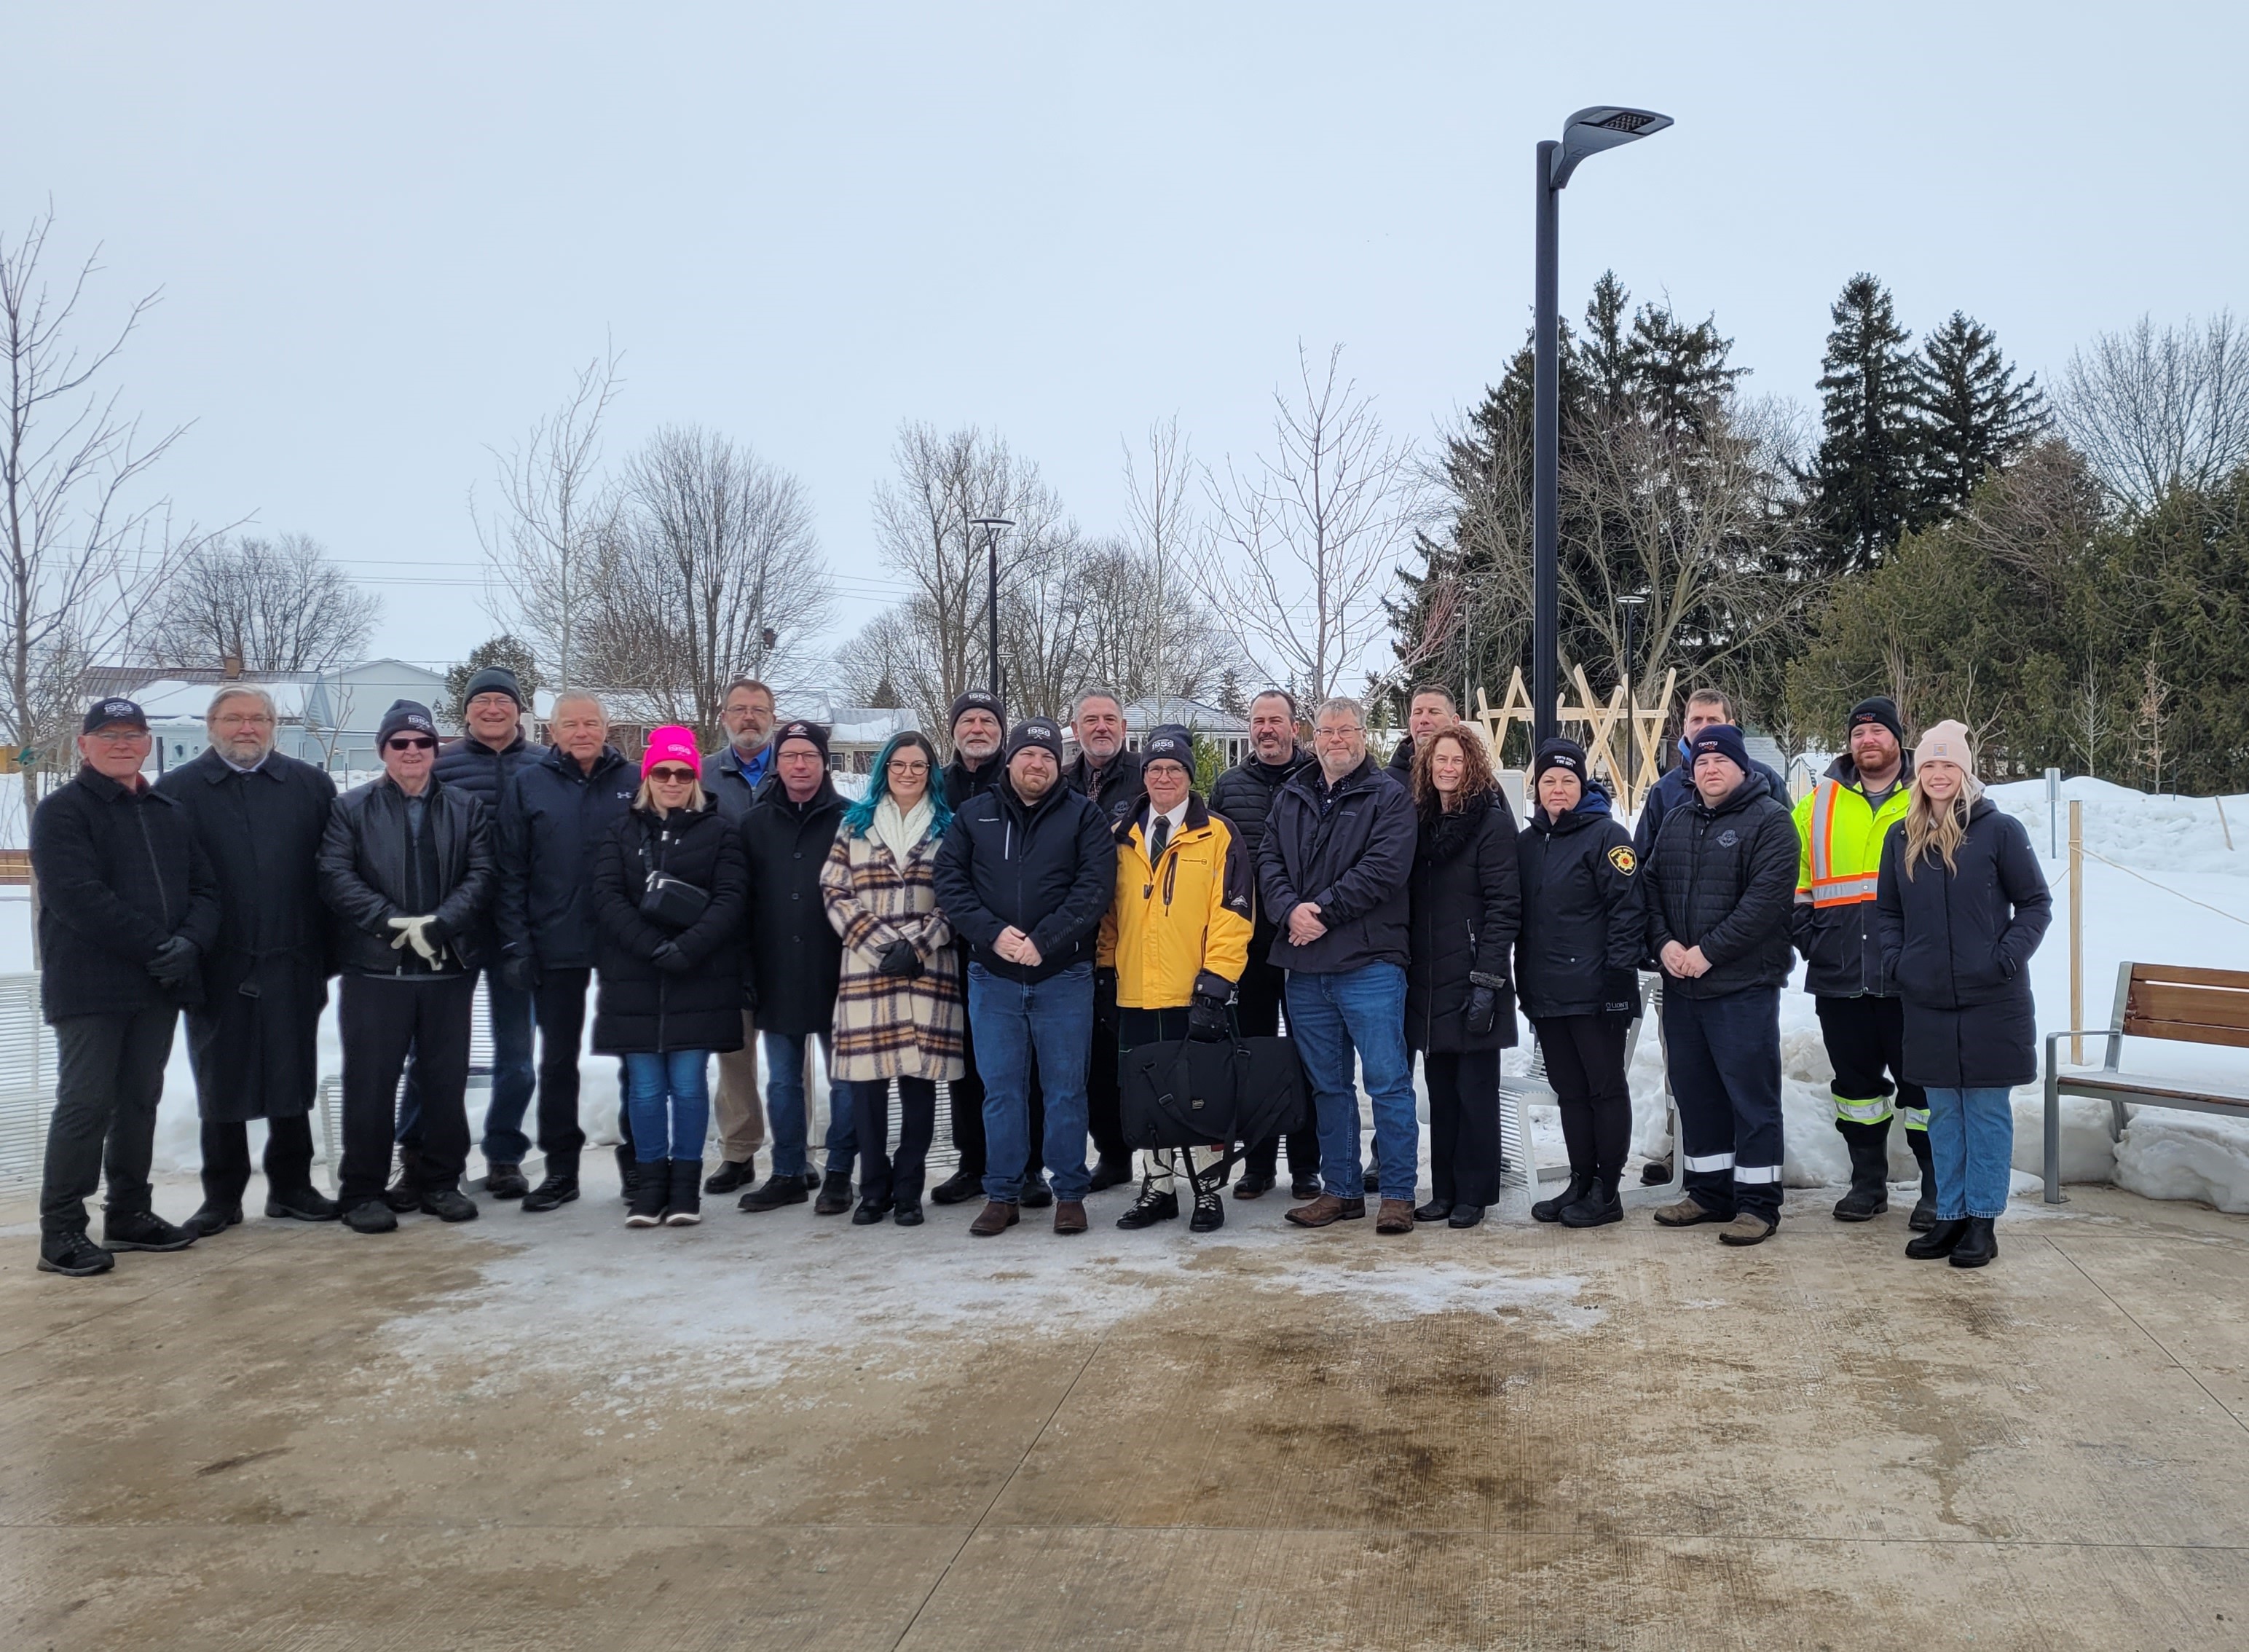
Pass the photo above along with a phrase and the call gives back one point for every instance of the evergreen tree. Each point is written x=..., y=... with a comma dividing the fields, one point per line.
x=1865, y=480
x=504, y=649
x=1975, y=418
x=1230, y=697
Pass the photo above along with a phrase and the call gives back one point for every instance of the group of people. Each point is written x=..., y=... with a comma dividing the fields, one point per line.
x=1011, y=925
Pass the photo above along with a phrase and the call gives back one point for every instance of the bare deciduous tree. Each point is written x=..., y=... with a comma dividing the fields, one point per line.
x=1159, y=511
x=81, y=554
x=1306, y=543
x=266, y=605
x=1147, y=635
x=713, y=571
x=894, y=655
x=2157, y=410
x=546, y=549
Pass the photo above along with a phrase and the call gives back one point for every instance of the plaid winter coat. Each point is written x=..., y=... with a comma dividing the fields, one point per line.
x=887, y=1026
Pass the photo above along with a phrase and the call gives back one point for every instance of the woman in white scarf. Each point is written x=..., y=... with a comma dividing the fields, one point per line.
x=899, y=1011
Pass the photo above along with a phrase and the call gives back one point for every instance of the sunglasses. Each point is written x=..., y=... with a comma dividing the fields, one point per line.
x=419, y=743
x=670, y=775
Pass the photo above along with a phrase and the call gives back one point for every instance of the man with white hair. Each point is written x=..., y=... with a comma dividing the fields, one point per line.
x=254, y=1040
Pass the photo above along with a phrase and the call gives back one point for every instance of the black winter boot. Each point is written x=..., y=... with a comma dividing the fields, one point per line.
x=775, y=1191
x=404, y=1194
x=834, y=1194
x=1924, y=1208
x=957, y=1188
x=1869, y=1147
x=1939, y=1241
x=685, y=1206
x=1552, y=1209
x=1595, y=1208
x=1978, y=1245
x=627, y=1171
x=652, y=1192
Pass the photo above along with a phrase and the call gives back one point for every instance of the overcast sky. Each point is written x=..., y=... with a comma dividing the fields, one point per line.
x=387, y=236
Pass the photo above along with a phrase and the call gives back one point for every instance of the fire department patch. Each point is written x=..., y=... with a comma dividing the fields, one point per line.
x=1624, y=860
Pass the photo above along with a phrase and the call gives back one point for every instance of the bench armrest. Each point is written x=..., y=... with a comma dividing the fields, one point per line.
x=2113, y=1034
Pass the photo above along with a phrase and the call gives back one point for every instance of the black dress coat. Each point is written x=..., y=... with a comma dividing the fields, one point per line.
x=1956, y=943
x=119, y=873
x=1467, y=906
x=255, y=1040
x=796, y=957
x=639, y=1008
x=1583, y=927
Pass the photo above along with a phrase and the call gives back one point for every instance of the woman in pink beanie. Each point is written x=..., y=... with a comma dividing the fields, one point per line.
x=671, y=891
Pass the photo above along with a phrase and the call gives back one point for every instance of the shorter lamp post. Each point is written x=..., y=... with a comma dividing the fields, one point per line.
x=992, y=525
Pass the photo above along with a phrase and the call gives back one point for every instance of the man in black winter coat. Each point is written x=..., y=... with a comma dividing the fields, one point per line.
x=978, y=729
x=1332, y=869
x=255, y=1038
x=1244, y=795
x=552, y=818
x=796, y=958
x=406, y=866
x=1706, y=708
x=1722, y=887
x=128, y=908
x=483, y=763
x=1024, y=874
x=1429, y=709
x=1107, y=772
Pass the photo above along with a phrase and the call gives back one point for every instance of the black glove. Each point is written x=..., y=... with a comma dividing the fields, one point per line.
x=1483, y=1010
x=749, y=995
x=900, y=959
x=668, y=958
x=518, y=971
x=1207, y=1019
x=174, y=960
x=1620, y=992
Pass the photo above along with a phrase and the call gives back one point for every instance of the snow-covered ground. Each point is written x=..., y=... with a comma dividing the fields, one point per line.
x=2177, y=843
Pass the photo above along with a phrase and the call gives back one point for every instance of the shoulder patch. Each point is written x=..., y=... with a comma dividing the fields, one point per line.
x=1624, y=860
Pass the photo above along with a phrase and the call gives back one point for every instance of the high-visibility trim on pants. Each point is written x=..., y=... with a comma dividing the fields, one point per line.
x=1710, y=1161
x=1874, y=1111
x=1757, y=1172
x=1915, y=1118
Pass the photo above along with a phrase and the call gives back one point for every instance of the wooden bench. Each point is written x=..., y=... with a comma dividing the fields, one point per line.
x=2152, y=1001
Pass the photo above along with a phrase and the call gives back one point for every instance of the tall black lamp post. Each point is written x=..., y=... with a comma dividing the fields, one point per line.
x=992, y=525
x=1587, y=132
x=1630, y=605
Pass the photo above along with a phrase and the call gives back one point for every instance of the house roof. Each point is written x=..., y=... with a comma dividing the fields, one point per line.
x=1199, y=715
x=184, y=699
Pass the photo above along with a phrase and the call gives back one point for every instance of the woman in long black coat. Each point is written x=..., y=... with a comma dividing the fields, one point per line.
x=670, y=892
x=1576, y=964
x=1459, y=999
x=1962, y=905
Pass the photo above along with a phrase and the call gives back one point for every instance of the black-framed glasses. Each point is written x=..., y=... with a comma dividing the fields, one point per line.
x=412, y=743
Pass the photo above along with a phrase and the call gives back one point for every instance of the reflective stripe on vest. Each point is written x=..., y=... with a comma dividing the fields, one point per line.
x=1834, y=886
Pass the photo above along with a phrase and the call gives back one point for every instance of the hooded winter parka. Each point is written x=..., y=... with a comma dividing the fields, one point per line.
x=1724, y=879
x=1956, y=943
x=1467, y=905
x=641, y=1008
x=1583, y=923
x=1350, y=849
x=1181, y=927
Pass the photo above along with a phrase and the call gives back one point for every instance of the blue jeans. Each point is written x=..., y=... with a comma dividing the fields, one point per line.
x=787, y=1111
x=513, y=1079
x=1972, y=1138
x=1012, y=1020
x=1329, y=1016
x=669, y=1097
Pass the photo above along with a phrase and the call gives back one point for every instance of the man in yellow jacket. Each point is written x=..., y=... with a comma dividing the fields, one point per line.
x=1178, y=936
x=1839, y=826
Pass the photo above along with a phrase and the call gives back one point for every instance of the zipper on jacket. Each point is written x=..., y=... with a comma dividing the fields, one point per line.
x=164, y=895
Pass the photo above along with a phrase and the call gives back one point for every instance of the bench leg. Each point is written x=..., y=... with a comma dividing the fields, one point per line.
x=2053, y=1138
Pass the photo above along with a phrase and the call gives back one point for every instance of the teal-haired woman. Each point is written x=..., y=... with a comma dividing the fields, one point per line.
x=899, y=1011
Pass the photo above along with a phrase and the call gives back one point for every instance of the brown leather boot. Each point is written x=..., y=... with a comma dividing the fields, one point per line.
x=1395, y=1216
x=997, y=1219
x=1327, y=1208
x=1070, y=1215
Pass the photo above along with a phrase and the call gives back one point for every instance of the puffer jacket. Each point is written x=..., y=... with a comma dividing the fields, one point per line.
x=470, y=767
x=366, y=879
x=1048, y=868
x=1244, y=795
x=1675, y=787
x=638, y=1006
x=1956, y=942
x=1467, y=906
x=1724, y=879
x=1350, y=849
x=1839, y=836
x=1583, y=923
x=1181, y=927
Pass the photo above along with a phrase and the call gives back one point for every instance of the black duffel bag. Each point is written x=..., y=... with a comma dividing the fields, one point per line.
x=1231, y=1093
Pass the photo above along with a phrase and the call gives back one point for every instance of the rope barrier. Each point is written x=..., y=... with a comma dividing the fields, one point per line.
x=2092, y=854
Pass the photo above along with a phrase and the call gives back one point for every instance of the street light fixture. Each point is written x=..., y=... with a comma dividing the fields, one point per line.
x=1588, y=132
x=992, y=525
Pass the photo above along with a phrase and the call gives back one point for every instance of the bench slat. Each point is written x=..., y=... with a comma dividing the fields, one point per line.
x=2102, y=1083
x=2187, y=975
x=2187, y=1032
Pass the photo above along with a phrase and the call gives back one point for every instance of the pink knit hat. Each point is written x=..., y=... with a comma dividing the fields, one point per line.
x=671, y=744
x=1947, y=742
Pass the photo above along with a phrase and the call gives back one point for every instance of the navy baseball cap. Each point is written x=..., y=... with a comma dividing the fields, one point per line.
x=104, y=713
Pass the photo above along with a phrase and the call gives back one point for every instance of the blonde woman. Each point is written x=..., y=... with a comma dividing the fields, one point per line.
x=1962, y=906
x=899, y=1013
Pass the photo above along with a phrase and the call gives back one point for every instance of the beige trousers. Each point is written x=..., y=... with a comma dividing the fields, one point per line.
x=1159, y=1167
x=737, y=1111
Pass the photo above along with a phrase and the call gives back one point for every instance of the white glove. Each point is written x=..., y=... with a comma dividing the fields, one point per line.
x=415, y=931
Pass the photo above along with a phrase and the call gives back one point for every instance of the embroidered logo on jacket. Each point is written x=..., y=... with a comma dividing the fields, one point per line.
x=1624, y=860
